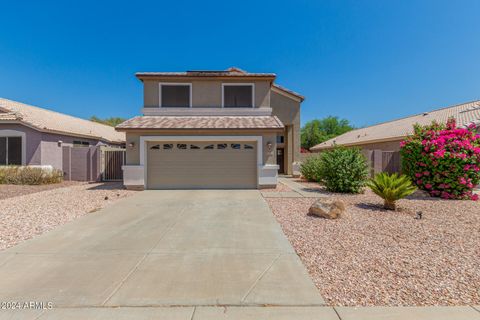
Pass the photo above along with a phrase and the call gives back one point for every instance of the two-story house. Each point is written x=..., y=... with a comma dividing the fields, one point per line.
x=211, y=129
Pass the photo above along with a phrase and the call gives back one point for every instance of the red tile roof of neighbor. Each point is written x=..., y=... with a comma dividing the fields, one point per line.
x=464, y=114
x=201, y=122
x=55, y=122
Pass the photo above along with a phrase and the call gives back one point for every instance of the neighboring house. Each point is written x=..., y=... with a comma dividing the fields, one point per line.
x=34, y=136
x=212, y=129
x=387, y=136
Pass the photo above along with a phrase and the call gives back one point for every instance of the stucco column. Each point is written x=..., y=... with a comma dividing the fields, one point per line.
x=290, y=149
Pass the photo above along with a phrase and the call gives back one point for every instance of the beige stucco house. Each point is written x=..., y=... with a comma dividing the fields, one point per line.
x=212, y=129
x=387, y=136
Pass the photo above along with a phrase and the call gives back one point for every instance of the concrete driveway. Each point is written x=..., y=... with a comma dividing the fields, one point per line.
x=185, y=252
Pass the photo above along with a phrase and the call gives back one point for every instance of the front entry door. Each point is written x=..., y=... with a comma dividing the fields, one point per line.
x=280, y=160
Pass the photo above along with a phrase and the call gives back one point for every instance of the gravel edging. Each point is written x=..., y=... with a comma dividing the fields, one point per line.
x=26, y=216
x=14, y=190
x=374, y=257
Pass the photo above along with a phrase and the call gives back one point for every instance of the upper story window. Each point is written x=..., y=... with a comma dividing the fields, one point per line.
x=175, y=95
x=238, y=95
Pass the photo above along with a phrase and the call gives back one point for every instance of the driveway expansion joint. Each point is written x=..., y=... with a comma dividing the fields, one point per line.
x=40, y=314
x=169, y=228
x=260, y=277
x=115, y=290
x=336, y=312
x=193, y=313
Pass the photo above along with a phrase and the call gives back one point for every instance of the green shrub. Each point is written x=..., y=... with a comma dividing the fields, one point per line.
x=343, y=170
x=29, y=175
x=309, y=168
x=391, y=187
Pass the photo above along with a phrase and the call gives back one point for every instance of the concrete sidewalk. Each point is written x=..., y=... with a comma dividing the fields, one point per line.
x=299, y=190
x=249, y=313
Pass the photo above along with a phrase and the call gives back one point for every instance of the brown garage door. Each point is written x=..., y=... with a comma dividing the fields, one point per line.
x=201, y=165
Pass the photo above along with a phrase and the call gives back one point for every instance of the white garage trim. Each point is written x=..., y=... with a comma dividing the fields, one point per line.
x=133, y=176
x=136, y=175
x=145, y=139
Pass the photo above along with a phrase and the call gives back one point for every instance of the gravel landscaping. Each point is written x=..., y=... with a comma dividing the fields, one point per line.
x=14, y=190
x=375, y=257
x=23, y=217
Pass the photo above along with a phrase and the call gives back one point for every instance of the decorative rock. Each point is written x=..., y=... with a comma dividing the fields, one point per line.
x=327, y=208
x=420, y=194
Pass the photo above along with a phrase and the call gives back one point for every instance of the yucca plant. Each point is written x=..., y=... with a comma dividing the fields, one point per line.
x=391, y=187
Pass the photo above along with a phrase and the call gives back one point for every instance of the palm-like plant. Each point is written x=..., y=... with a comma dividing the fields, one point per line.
x=391, y=187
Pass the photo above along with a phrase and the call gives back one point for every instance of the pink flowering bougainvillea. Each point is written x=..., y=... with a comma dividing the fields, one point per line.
x=443, y=160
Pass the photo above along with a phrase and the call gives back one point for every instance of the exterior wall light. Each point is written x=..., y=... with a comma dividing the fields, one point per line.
x=269, y=146
x=59, y=143
x=131, y=144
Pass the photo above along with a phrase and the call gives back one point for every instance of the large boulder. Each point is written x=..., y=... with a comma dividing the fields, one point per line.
x=327, y=208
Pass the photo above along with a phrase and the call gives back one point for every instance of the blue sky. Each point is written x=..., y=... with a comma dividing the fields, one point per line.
x=366, y=61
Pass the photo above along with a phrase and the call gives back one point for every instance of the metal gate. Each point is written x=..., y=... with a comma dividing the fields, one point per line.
x=112, y=161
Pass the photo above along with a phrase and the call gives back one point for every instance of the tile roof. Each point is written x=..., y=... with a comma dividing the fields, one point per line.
x=9, y=116
x=230, y=72
x=51, y=121
x=464, y=114
x=202, y=122
x=293, y=93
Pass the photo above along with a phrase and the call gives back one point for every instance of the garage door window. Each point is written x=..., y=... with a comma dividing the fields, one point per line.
x=182, y=146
